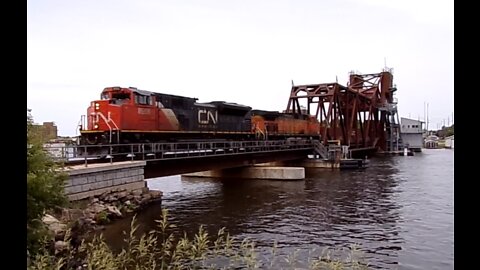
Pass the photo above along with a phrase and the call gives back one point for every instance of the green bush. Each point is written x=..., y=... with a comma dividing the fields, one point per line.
x=45, y=187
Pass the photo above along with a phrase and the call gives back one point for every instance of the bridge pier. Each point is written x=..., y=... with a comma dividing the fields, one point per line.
x=84, y=182
x=255, y=172
x=318, y=164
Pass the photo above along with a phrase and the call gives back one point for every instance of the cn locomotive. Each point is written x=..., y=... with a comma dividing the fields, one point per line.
x=130, y=115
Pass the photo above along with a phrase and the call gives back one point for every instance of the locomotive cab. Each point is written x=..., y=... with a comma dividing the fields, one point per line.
x=125, y=115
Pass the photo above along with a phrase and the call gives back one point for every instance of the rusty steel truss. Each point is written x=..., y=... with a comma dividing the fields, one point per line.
x=361, y=115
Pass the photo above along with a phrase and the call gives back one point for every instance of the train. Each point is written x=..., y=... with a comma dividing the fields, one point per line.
x=128, y=115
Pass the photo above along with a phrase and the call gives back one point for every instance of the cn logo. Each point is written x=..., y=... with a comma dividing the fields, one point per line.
x=207, y=117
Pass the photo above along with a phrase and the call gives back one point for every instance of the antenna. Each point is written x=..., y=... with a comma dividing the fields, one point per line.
x=427, y=115
x=424, y=114
x=292, y=83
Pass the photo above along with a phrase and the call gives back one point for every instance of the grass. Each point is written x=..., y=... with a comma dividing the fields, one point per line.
x=164, y=249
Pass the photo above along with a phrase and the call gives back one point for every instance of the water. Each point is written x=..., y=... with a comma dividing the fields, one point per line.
x=399, y=211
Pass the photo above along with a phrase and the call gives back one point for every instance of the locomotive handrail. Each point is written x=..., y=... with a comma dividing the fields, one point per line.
x=109, y=127
x=106, y=122
x=115, y=124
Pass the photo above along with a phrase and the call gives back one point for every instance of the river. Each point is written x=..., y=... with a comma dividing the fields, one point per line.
x=399, y=211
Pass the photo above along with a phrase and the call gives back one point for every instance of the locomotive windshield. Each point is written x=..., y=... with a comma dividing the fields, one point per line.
x=120, y=96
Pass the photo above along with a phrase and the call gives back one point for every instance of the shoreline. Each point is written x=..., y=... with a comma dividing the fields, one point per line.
x=87, y=216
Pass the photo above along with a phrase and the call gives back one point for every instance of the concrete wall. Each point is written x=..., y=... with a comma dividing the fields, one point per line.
x=84, y=182
x=413, y=140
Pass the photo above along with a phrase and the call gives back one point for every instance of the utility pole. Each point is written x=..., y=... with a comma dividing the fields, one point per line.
x=427, y=116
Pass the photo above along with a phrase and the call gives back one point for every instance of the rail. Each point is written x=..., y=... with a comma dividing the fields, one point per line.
x=178, y=150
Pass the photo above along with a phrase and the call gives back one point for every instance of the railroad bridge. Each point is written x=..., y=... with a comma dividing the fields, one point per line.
x=163, y=159
x=128, y=165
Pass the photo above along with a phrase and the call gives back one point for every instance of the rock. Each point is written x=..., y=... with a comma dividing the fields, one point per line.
x=137, y=192
x=156, y=194
x=54, y=225
x=110, y=198
x=58, y=227
x=72, y=214
x=128, y=202
x=97, y=208
x=90, y=221
x=145, y=190
x=121, y=195
x=89, y=215
x=129, y=197
x=94, y=200
x=137, y=199
x=114, y=211
x=60, y=246
x=147, y=197
x=99, y=228
x=48, y=219
x=60, y=236
x=103, y=196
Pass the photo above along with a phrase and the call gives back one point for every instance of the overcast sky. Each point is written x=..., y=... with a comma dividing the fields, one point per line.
x=244, y=51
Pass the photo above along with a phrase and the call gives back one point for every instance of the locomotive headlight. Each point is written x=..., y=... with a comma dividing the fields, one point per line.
x=95, y=126
x=97, y=106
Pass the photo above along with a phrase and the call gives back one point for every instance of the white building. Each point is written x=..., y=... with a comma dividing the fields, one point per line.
x=449, y=142
x=412, y=133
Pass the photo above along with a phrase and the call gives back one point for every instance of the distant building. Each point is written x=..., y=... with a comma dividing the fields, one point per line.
x=48, y=130
x=449, y=142
x=412, y=134
x=431, y=142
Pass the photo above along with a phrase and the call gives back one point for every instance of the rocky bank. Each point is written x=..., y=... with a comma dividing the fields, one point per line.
x=88, y=215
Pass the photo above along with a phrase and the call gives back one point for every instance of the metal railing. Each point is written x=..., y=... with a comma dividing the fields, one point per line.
x=320, y=149
x=178, y=150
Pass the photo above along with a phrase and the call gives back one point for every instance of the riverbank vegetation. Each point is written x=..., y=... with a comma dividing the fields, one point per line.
x=164, y=248
x=45, y=188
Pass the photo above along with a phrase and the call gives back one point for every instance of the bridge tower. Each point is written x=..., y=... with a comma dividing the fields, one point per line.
x=362, y=115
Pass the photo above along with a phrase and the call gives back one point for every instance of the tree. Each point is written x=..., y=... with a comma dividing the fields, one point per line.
x=45, y=186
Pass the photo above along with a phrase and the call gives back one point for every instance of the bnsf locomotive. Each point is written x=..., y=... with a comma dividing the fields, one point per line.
x=130, y=115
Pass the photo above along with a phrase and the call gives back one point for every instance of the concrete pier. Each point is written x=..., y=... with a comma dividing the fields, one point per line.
x=84, y=182
x=255, y=172
x=318, y=163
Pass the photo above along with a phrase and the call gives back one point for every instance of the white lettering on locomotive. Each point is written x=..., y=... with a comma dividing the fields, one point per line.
x=146, y=111
x=207, y=117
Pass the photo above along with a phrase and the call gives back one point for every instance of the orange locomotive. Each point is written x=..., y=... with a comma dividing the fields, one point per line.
x=130, y=115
